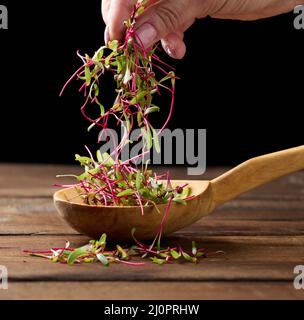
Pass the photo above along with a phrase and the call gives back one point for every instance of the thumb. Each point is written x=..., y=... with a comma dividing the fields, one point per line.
x=161, y=19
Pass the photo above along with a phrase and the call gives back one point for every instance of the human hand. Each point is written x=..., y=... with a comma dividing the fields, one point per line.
x=167, y=20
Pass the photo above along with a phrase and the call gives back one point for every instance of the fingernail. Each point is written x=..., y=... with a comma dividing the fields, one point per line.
x=147, y=34
x=106, y=35
x=170, y=51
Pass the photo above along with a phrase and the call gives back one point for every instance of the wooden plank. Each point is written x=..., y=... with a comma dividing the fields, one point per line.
x=246, y=258
x=276, y=209
x=52, y=225
x=33, y=179
x=24, y=205
x=220, y=223
x=146, y=290
x=242, y=216
x=17, y=205
x=28, y=216
x=219, y=227
x=205, y=228
x=37, y=180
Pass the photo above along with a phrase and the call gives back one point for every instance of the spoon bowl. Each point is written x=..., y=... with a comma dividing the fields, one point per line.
x=117, y=222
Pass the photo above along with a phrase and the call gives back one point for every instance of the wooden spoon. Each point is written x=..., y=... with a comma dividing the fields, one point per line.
x=117, y=222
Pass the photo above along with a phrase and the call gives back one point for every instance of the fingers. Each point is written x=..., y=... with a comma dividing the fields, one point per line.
x=174, y=45
x=105, y=9
x=163, y=18
x=169, y=19
x=119, y=12
x=106, y=35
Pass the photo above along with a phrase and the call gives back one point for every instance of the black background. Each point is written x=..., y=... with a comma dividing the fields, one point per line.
x=242, y=81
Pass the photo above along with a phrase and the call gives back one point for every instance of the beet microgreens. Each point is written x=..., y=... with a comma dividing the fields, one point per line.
x=133, y=68
x=96, y=251
x=108, y=181
x=105, y=182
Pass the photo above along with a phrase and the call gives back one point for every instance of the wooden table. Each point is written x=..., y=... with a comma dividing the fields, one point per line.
x=261, y=232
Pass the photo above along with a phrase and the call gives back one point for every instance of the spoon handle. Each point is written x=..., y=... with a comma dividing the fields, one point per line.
x=255, y=172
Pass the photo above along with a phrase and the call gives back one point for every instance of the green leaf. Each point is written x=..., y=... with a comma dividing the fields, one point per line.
x=151, y=110
x=186, y=191
x=113, y=45
x=138, y=97
x=84, y=161
x=87, y=73
x=123, y=254
x=106, y=159
x=139, y=118
x=173, y=78
x=147, y=136
x=99, y=156
x=156, y=140
x=87, y=57
x=96, y=90
x=158, y=261
x=108, y=59
x=119, y=175
x=194, y=249
x=103, y=239
x=140, y=10
x=76, y=254
x=99, y=54
x=186, y=256
x=127, y=192
x=39, y=255
x=102, y=259
x=175, y=255
x=127, y=121
x=178, y=200
x=102, y=108
x=121, y=64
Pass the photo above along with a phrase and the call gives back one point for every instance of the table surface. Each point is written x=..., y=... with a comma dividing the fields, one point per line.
x=261, y=233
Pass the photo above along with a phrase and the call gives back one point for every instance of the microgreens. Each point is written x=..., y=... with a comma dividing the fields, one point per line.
x=133, y=68
x=107, y=180
x=96, y=251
